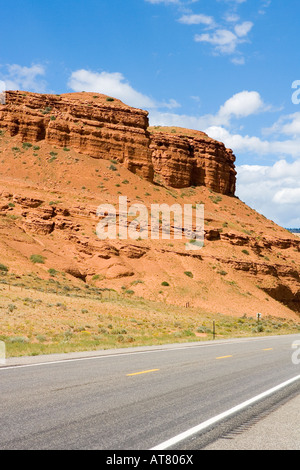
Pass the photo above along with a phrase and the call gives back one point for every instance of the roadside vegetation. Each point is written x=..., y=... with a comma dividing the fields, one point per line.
x=39, y=316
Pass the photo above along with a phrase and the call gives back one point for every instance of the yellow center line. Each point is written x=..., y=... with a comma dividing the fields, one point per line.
x=223, y=357
x=143, y=372
x=268, y=349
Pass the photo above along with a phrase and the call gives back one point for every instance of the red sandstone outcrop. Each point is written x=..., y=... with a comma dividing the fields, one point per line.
x=192, y=159
x=27, y=202
x=88, y=123
x=105, y=128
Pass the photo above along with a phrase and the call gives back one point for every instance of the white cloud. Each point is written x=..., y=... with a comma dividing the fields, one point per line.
x=115, y=84
x=287, y=196
x=292, y=127
x=158, y=118
x=232, y=17
x=253, y=144
x=2, y=92
x=242, y=104
x=17, y=77
x=287, y=125
x=197, y=19
x=223, y=40
x=235, y=1
x=238, y=142
x=243, y=29
x=170, y=105
x=264, y=5
x=238, y=60
x=272, y=190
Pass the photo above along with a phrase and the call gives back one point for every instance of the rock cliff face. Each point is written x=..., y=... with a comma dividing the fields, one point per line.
x=105, y=128
x=189, y=158
x=95, y=125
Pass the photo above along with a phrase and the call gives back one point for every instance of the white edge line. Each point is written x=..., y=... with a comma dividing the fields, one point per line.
x=196, y=429
x=64, y=361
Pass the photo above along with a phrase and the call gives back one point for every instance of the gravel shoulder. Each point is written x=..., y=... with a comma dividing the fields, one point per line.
x=279, y=430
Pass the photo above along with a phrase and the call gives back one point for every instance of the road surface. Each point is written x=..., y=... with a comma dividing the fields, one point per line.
x=144, y=398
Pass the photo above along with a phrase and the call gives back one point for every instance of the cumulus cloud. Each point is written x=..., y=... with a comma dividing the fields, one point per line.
x=17, y=77
x=235, y=1
x=287, y=196
x=223, y=40
x=255, y=145
x=243, y=29
x=272, y=190
x=242, y=104
x=159, y=118
x=287, y=125
x=232, y=17
x=197, y=19
x=2, y=92
x=238, y=60
x=116, y=85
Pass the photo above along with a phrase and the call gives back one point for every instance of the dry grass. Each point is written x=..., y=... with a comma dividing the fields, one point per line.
x=56, y=318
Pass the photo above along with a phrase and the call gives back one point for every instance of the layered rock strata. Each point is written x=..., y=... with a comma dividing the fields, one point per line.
x=95, y=125
x=185, y=160
x=105, y=128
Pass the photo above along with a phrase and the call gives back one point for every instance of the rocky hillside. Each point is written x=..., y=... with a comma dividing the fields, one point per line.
x=103, y=127
x=63, y=156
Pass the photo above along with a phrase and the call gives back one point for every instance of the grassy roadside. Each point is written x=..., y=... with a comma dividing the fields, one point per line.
x=53, y=316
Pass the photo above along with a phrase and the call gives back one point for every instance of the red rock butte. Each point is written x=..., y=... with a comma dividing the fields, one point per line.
x=80, y=150
x=105, y=128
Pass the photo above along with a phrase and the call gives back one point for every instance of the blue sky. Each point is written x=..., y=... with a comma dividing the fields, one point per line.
x=225, y=67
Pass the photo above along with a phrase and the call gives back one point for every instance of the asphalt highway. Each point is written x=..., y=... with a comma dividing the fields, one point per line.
x=182, y=396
